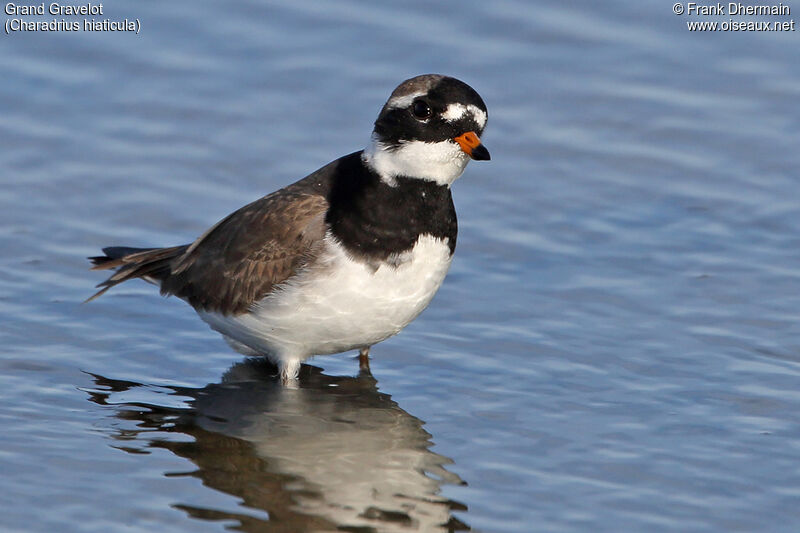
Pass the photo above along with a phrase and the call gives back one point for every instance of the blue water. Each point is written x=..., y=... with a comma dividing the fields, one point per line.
x=616, y=348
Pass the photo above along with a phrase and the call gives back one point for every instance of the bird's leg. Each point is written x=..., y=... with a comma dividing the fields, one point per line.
x=289, y=370
x=363, y=359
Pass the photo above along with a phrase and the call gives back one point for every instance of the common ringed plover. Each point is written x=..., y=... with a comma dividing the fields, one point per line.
x=342, y=259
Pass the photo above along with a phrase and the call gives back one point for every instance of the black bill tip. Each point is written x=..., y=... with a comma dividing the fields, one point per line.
x=480, y=153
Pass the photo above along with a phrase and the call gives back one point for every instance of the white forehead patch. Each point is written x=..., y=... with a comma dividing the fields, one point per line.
x=457, y=111
x=399, y=102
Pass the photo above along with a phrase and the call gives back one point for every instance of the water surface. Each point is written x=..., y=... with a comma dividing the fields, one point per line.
x=616, y=345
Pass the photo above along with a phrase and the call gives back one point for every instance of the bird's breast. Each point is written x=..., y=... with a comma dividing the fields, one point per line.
x=340, y=302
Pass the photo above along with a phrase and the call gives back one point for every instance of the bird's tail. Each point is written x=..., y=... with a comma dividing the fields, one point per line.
x=151, y=264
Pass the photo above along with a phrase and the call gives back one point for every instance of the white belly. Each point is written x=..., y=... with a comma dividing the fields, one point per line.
x=339, y=304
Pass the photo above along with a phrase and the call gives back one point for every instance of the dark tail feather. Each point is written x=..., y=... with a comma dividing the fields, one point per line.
x=115, y=252
x=130, y=263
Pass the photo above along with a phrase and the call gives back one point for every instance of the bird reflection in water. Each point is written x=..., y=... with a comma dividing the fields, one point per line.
x=331, y=454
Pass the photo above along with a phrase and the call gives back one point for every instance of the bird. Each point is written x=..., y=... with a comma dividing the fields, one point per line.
x=341, y=259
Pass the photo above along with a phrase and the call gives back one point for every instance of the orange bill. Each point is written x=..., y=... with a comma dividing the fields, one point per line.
x=470, y=143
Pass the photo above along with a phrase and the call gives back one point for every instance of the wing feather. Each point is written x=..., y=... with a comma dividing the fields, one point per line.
x=244, y=256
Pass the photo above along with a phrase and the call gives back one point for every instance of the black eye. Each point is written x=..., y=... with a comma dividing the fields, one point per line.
x=421, y=109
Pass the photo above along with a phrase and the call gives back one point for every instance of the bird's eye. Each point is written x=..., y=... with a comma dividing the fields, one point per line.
x=421, y=109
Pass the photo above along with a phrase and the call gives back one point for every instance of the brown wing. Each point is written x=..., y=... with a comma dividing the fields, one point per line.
x=244, y=256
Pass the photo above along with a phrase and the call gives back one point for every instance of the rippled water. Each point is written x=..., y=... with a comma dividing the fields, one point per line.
x=617, y=345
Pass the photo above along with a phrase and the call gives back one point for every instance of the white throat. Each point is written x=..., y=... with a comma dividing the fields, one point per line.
x=441, y=162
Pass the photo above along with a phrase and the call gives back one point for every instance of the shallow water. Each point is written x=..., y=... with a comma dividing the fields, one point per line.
x=617, y=344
